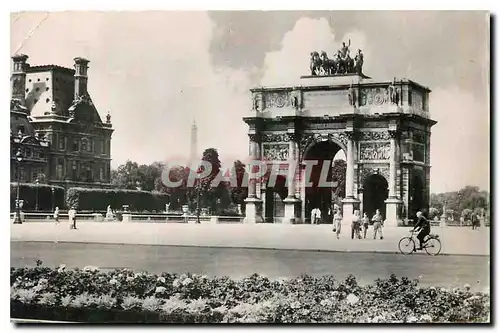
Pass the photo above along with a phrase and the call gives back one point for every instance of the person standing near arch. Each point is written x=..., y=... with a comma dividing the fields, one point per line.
x=366, y=222
x=377, y=224
x=337, y=222
x=315, y=216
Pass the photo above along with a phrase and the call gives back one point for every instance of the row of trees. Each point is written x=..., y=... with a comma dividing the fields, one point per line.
x=221, y=199
x=462, y=203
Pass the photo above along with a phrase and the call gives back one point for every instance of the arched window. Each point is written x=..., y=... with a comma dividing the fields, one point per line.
x=84, y=144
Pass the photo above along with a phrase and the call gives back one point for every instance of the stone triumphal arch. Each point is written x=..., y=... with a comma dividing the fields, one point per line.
x=383, y=127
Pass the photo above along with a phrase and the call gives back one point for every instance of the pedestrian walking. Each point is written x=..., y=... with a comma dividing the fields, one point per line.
x=356, y=225
x=475, y=221
x=366, y=223
x=377, y=224
x=337, y=223
x=56, y=215
x=315, y=216
x=72, y=218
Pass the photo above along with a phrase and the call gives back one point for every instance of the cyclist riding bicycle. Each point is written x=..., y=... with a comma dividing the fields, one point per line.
x=424, y=228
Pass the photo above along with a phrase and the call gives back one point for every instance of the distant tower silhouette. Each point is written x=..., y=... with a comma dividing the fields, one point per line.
x=194, y=143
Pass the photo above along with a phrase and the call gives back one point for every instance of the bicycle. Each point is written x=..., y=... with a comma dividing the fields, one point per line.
x=431, y=245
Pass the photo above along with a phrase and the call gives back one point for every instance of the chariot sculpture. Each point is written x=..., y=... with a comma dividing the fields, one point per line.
x=340, y=64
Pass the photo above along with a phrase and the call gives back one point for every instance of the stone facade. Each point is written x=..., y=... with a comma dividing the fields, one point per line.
x=385, y=139
x=60, y=114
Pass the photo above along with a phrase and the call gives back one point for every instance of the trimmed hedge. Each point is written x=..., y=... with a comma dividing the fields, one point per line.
x=28, y=193
x=99, y=199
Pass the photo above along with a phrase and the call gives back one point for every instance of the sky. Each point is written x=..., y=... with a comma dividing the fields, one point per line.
x=157, y=72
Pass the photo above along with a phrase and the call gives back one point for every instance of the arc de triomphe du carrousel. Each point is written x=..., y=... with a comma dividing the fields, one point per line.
x=383, y=128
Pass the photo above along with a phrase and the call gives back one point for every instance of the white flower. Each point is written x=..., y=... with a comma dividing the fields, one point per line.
x=172, y=304
x=130, y=278
x=426, y=318
x=443, y=290
x=160, y=290
x=61, y=268
x=90, y=268
x=130, y=302
x=304, y=312
x=187, y=281
x=120, y=275
x=411, y=319
x=26, y=295
x=66, y=300
x=221, y=309
x=295, y=305
x=113, y=281
x=203, y=277
x=432, y=288
x=106, y=301
x=176, y=283
x=151, y=304
x=378, y=319
x=326, y=303
x=43, y=281
x=196, y=306
x=352, y=299
x=160, y=279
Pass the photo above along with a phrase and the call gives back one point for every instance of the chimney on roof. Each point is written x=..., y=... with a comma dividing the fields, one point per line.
x=18, y=79
x=81, y=78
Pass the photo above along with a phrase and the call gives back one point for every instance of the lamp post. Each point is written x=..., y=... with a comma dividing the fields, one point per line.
x=19, y=159
x=37, y=182
x=52, y=189
x=198, y=198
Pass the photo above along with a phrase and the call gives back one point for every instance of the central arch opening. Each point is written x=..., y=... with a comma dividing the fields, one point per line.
x=375, y=192
x=317, y=195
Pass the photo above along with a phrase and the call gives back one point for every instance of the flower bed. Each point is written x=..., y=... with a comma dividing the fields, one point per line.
x=121, y=296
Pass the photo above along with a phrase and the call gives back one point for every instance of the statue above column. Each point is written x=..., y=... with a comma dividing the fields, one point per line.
x=341, y=62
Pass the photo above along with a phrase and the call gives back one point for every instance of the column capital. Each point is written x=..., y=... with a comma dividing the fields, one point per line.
x=352, y=135
x=254, y=137
x=293, y=136
x=394, y=134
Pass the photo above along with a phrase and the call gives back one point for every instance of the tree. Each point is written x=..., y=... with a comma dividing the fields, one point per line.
x=178, y=194
x=240, y=192
x=433, y=212
x=467, y=214
x=126, y=176
x=469, y=197
x=208, y=195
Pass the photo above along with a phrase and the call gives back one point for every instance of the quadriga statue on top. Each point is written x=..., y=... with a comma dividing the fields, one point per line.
x=340, y=63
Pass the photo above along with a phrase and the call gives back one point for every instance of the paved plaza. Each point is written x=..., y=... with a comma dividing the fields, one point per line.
x=455, y=240
x=443, y=271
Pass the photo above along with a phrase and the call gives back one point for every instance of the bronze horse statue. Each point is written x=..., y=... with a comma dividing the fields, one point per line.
x=315, y=64
x=329, y=66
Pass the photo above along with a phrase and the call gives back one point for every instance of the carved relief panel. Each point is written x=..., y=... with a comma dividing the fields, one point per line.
x=374, y=151
x=374, y=136
x=275, y=137
x=276, y=152
x=277, y=99
x=374, y=96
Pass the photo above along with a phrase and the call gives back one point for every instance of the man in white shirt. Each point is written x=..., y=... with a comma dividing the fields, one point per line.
x=72, y=218
x=315, y=216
